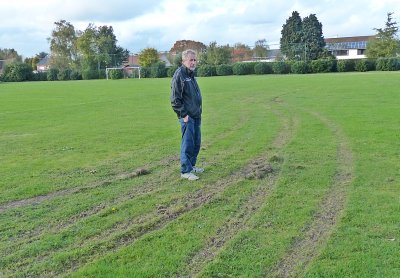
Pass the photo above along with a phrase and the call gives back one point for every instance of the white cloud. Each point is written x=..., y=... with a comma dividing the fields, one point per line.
x=25, y=24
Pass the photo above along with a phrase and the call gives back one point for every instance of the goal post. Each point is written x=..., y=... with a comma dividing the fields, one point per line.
x=127, y=72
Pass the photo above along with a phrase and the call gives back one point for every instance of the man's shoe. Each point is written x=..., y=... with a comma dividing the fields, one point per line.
x=190, y=176
x=197, y=170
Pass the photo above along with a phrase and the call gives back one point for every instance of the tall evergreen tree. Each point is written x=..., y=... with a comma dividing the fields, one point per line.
x=386, y=42
x=302, y=39
x=291, y=36
x=312, y=38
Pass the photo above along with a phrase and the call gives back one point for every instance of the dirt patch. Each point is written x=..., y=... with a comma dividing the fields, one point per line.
x=258, y=169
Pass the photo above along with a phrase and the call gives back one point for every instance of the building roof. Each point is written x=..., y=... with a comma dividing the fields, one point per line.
x=44, y=61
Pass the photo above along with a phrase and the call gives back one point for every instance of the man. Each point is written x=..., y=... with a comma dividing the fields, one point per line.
x=187, y=103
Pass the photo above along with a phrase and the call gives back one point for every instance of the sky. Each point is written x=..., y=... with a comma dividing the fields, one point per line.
x=26, y=25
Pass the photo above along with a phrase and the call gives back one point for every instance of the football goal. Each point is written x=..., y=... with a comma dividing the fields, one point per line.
x=123, y=72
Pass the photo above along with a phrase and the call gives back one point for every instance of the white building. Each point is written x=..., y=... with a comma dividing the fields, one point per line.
x=348, y=47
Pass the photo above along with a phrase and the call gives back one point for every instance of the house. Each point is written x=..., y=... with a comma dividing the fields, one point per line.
x=348, y=47
x=43, y=64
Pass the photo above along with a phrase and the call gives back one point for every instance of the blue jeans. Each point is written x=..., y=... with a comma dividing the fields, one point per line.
x=190, y=145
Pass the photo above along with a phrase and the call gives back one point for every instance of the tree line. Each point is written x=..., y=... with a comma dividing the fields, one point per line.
x=76, y=54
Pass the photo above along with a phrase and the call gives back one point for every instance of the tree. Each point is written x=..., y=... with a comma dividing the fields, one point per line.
x=312, y=38
x=217, y=55
x=110, y=53
x=385, y=43
x=148, y=57
x=98, y=48
x=179, y=46
x=10, y=54
x=63, y=38
x=261, y=48
x=291, y=38
x=241, y=52
x=302, y=39
x=87, y=46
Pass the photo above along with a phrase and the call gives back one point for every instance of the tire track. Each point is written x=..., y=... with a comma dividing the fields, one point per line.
x=144, y=170
x=317, y=233
x=137, y=227
x=239, y=221
x=149, y=186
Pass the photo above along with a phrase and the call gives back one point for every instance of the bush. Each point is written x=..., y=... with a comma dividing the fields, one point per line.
x=388, y=64
x=223, y=70
x=323, y=65
x=158, y=70
x=115, y=74
x=76, y=75
x=52, y=74
x=171, y=70
x=243, y=68
x=361, y=65
x=17, y=72
x=280, y=67
x=345, y=65
x=300, y=67
x=40, y=76
x=89, y=74
x=102, y=74
x=64, y=74
x=206, y=70
x=263, y=68
x=145, y=72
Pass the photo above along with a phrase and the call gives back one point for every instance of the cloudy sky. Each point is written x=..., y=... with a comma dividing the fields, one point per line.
x=25, y=25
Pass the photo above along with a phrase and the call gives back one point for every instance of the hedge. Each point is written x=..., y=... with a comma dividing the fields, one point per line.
x=300, y=67
x=280, y=67
x=345, y=65
x=263, y=68
x=323, y=65
x=223, y=70
x=243, y=68
x=388, y=64
x=116, y=74
x=17, y=72
x=206, y=70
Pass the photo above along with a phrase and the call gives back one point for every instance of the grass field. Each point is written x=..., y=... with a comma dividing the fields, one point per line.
x=302, y=179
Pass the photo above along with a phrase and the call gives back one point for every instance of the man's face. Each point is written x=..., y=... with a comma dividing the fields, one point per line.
x=190, y=62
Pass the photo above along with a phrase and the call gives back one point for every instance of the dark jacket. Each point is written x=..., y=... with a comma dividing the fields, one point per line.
x=185, y=94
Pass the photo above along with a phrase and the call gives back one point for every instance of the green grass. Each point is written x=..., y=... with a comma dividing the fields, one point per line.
x=70, y=208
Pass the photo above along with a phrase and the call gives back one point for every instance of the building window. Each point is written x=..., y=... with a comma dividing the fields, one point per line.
x=360, y=51
x=341, y=52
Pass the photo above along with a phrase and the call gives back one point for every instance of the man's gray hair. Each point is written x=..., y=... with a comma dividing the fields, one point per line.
x=187, y=52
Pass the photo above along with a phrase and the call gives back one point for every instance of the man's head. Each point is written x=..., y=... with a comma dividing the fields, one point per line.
x=189, y=59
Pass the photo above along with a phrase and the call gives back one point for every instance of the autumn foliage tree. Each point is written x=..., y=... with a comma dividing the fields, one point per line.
x=241, y=52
